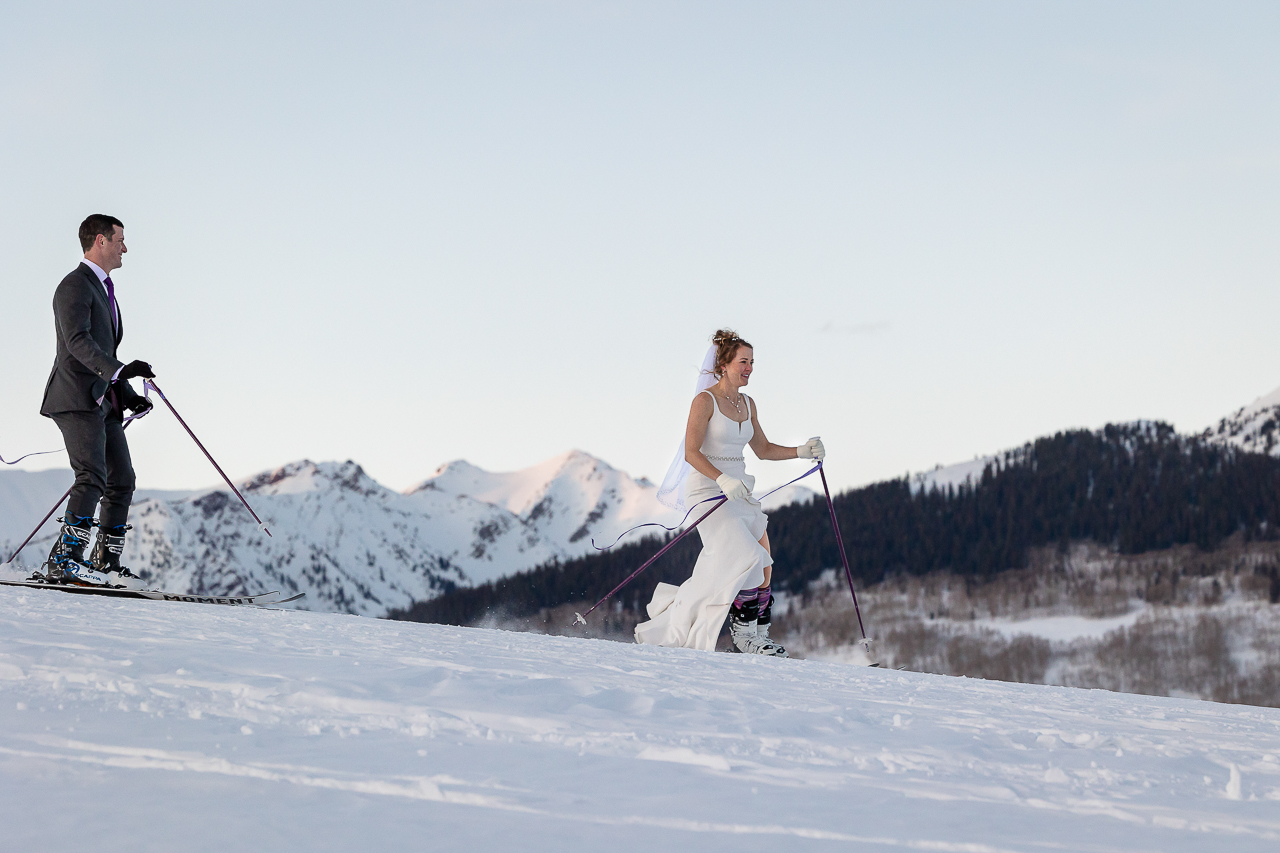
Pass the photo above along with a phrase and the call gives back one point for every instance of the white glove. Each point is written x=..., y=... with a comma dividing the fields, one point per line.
x=732, y=487
x=812, y=449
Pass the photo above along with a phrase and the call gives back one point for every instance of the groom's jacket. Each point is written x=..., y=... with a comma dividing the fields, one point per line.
x=87, y=343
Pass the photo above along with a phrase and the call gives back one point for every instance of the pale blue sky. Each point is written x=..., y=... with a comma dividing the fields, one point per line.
x=409, y=233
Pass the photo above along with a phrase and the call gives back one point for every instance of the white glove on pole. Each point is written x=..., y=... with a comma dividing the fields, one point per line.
x=812, y=449
x=732, y=487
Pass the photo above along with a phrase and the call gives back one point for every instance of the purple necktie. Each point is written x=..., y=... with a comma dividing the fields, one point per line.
x=111, y=300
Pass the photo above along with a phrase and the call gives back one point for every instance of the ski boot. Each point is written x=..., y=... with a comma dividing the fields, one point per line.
x=743, y=621
x=743, y=634
x=765, y=604
x=106, y=557
x=66, y=563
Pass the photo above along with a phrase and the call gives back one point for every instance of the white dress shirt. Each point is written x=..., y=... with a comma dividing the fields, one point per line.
x=102, y=281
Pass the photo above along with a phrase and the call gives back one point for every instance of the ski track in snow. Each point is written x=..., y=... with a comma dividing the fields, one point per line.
x=186, y=727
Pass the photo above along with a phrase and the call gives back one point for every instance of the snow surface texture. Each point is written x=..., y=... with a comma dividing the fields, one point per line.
x=351, y=544
x=176, y=727
x=1256, y=427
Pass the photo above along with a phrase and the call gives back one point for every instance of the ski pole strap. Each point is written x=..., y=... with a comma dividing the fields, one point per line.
x=28, y=456
x=146, y=393
x=656, y=524
x=840, y=544
x=721, y=501
x=262, y=525
x=692, y=508
x=134, y=417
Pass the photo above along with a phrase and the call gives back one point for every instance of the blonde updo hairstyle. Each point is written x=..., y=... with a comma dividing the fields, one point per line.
x=727, y=343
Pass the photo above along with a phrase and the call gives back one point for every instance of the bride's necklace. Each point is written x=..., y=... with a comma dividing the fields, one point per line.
x=737, y=407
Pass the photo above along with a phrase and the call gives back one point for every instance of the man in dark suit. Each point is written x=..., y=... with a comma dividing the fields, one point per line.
x=86, y=396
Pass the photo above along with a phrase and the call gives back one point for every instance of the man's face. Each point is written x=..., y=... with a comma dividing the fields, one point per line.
x=111, y=249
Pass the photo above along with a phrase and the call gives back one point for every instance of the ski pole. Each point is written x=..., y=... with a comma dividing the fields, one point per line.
x=840, y=544
x=262, y=525
x=582, y=617
x=65, y=495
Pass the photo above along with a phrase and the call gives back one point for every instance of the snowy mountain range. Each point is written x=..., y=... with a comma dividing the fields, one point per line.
x=351, y=544
x=1254, y=428
x=355, y=546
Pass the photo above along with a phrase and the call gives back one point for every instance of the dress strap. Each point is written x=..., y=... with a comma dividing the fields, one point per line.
x=747, y=400
x=715, y=407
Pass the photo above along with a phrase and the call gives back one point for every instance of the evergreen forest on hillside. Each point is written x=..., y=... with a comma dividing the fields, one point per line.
x=1132, y=487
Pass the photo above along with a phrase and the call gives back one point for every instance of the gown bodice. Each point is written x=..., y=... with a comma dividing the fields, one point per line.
x=725, y=437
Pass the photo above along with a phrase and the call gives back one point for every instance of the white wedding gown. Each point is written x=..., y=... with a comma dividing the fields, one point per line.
x=690, y=615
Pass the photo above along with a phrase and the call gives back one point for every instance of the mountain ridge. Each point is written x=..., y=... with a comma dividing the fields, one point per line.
x=1255, y=427
x=352, y=544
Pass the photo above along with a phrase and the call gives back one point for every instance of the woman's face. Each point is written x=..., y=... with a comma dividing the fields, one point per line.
x=738, y=370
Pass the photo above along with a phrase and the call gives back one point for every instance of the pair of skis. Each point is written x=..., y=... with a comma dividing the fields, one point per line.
x=265, y=599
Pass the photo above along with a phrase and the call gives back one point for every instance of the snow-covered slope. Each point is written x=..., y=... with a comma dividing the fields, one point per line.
x=143, y=726
x=1255, y=428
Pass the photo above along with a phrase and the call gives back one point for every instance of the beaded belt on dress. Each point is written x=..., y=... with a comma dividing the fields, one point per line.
x=728, y=458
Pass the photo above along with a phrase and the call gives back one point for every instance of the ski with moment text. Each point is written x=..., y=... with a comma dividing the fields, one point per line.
x=260, y=600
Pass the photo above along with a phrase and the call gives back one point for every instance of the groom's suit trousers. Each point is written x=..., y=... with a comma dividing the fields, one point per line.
x=100, y=457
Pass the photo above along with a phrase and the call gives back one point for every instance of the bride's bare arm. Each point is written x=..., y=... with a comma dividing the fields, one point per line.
x=761, y=445
x=695, y=433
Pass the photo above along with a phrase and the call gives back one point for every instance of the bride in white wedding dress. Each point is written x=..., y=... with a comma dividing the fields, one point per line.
x=733, y=571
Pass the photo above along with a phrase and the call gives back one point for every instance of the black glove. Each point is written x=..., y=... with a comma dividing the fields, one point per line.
x=140, y=406
x=136, y=368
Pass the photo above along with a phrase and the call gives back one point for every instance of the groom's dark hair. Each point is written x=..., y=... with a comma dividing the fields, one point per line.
x=95, y=224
